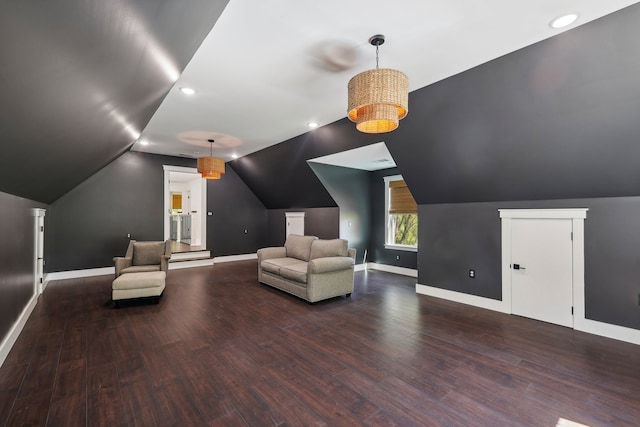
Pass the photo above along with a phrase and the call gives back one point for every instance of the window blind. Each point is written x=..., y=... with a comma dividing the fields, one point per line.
x=400, y=199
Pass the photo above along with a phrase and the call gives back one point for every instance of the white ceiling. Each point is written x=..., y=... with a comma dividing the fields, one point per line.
x=371, y=157
x=268, y=67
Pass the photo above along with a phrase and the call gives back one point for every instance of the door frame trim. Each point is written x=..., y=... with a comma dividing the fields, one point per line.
x=577, y=217
x=167, y=203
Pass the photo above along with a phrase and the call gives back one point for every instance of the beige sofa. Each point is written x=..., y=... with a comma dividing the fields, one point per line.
x=307, y=267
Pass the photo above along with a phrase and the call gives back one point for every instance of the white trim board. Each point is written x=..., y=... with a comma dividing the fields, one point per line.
x=474, y=300
x=104, y=271
x=74, y=274
x=16, y=329
x=602, y=329
x=393, y=269
x=167, y=203
x=231, y=258
x=572, y=213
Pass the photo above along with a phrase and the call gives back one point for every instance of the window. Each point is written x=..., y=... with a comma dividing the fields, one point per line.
x=401, y=215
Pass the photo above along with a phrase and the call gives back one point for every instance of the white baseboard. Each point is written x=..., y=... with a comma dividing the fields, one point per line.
x=74, y=274
x=231, y=258
x=360, y=267
x=602, y=329
x=393, y=269
x=608, y=330
x=14, y=333
x=482, y=302
x=104, y=271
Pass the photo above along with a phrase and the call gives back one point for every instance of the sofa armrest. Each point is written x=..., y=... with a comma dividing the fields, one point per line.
x=164, y=263
x=121, y=263
x=328, y=264
x=351, y=253
x=270, y=253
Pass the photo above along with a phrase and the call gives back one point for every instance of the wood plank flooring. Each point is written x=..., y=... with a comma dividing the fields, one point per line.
x=223, y=350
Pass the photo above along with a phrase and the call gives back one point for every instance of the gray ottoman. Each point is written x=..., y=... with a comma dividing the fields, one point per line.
x=138, y=285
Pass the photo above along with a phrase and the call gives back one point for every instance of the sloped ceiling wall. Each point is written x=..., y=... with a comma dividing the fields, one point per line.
x=280, y=176
x=556, y=120
x=559, y=119
x=80, y=79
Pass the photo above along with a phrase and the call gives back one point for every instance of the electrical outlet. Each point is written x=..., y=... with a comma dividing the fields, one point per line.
x=128, y=235
x=472, y=274
x=398, y=257
x=245, y=231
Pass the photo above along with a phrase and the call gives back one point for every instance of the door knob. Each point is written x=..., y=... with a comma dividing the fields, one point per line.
x=518, y=267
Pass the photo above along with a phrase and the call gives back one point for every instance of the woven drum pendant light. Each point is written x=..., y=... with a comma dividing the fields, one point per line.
x=211, y=167
x=378, y=98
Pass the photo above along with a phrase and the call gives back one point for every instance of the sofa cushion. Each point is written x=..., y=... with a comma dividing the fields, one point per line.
x=152, y=279
x=328, y=248
x=299, y=246
x=296, y=272
x=147, y=253
x=273, y=265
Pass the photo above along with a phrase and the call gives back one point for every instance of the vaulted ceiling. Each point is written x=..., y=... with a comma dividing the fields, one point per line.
x=81, y=79
x=84, y=81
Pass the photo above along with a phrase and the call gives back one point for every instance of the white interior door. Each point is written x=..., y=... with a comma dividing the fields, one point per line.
x=295, y=223
x=542, y=270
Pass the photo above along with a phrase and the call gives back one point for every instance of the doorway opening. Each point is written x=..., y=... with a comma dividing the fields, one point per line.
x=185, y=204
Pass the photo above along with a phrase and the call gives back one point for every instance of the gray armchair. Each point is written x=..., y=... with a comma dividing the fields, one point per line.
x=144, y=256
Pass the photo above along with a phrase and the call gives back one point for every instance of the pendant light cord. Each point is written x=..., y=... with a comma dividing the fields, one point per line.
x=377, y=49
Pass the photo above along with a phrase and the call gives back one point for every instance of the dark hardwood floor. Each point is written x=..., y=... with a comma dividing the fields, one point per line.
x=222, y=350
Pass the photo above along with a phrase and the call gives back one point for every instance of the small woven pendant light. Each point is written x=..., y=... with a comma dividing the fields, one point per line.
x=211, y=167
x=378, y=98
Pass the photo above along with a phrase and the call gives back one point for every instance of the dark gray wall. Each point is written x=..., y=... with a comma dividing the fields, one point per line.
x=16, y=258
x=80, y=80
x=320, y=222
x=235, y=209
x=559, y=119
x=456, y=237
x=377, y=252
x=350, y=189
x=88, y=226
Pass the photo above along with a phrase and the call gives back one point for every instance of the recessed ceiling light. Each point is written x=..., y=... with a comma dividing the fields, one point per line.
x=563, y=21
x=187, y=90
x=312, y=125
x=235, y=156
